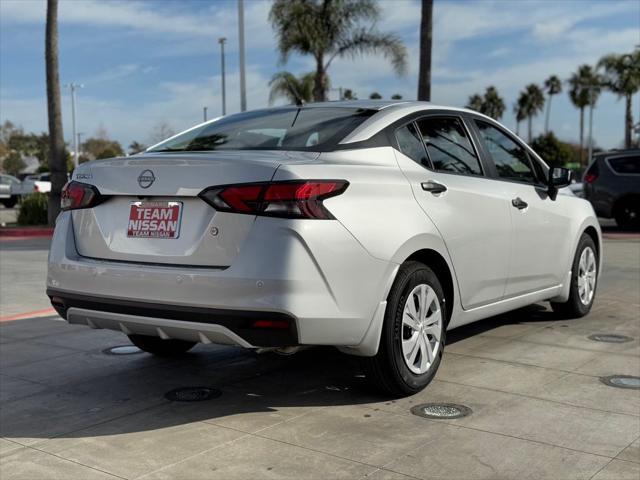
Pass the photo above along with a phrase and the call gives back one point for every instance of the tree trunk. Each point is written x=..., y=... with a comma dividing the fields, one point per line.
x=57, y=154
x=318, y=81
x=529, y=120
x=518, y=127
x=628, y=122
x=546, y=120
x=426, y=30
x=582, y=136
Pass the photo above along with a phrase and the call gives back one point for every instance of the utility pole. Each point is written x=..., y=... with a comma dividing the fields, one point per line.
x=79, y=137
x=204, y=111
x=224, y=93
x=73, y=86
x=243, y=83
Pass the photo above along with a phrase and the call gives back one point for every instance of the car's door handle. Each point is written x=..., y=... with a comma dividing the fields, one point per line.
x=433, y=187
x=519, y=203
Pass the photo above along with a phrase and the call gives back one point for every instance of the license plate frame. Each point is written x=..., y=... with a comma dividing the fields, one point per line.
x=159, y=226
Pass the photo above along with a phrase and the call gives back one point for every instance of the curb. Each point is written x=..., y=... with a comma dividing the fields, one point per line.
x=46, y=312
x=26, y=232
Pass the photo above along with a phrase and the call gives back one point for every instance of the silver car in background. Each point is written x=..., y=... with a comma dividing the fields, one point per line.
x=371, y=226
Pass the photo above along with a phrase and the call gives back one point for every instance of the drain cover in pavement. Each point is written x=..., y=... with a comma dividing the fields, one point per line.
x=122, y=350
x=622, y=381
x=609, y=338
x=441, y=410
x=192, y=394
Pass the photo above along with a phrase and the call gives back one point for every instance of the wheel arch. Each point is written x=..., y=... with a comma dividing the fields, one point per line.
x=593, y=233
x=440, y=267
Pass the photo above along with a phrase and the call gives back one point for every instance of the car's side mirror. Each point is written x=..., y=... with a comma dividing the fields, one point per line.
x=559, y=177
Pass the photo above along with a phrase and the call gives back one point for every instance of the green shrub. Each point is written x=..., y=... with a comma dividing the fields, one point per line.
x=33, y=209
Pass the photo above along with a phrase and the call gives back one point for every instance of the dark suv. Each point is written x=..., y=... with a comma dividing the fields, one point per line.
x=612, y=185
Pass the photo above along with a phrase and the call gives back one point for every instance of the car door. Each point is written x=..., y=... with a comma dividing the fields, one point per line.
x=447, y=176
x=541, y=224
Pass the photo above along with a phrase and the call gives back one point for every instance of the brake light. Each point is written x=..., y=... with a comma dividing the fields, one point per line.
x=590, y=177
x=76, y=195
x=287, y=199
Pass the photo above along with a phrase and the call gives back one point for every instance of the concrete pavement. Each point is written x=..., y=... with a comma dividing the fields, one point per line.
x=539, y=408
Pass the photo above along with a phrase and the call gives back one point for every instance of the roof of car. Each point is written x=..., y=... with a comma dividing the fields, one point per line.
x=378, y=104
x=618, y=153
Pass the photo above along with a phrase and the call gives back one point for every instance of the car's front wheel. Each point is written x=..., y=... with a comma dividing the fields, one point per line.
x=413, y=334
x=158, y=346
x=584, y=276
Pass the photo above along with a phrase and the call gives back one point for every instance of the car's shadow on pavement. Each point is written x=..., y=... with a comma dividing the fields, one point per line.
x=104, y=395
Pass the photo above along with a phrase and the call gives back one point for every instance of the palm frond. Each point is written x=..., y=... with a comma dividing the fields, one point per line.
x=364, y=41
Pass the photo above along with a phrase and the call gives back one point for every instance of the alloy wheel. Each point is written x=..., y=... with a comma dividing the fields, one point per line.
x=587, y=273
x=421, y=329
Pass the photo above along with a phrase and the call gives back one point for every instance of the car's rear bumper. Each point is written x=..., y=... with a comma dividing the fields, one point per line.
x=206, y=325
x=312, y=274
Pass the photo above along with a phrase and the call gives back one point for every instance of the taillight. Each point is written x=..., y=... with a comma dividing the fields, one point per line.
x=590, y=177
x=287, y=199
x=77, y=195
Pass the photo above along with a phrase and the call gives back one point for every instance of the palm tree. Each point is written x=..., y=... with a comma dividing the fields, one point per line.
x=375, y=96
x=426, y=36
x=329, y=29
x=295, y=89
x=475, y=102
x=490, y=104
x=493, y=104
x=533, y=103
x=584, y=90
x=622, y=77
x=57, y=157
x=519, y=108
x=553, y=86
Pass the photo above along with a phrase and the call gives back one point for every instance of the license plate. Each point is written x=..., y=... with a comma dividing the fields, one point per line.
x=154, y=219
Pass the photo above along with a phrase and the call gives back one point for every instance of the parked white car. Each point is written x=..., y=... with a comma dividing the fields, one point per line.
x=371, y=226
x=40, y=182
x=8, y=185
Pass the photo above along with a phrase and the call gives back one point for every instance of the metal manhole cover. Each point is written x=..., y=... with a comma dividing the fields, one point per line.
x=441, y=410
x=622, y=381
x=192, y=394
x=122, y=350
x=609, y=338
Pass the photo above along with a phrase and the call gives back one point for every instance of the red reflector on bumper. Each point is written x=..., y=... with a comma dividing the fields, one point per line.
x=277, y=324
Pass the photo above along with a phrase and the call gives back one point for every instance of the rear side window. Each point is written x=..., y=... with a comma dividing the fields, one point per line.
x=448, y=145
x=286, y=128
x=411, y=145
x=625, y=165
x=511, y=160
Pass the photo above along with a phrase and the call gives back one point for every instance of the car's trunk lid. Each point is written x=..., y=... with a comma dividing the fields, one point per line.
x=204, y=237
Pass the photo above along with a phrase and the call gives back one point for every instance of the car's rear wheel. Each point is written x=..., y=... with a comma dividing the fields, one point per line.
x=627, y=214
x=160, y=347
x=584, y=276
x=413, y=334
x=10, y=202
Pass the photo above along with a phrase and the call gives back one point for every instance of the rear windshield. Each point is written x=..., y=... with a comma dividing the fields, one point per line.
x=625, y=165
x=288, y=128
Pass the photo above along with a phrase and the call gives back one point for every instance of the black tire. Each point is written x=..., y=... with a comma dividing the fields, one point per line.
x=627, y=215
x=159, y=347
x=10, y=202
x=573, y=307
x=387, y=370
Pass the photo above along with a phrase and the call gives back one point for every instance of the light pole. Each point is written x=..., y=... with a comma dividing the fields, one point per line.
x=243, y=84
x=79, y=137
x=73, y=86
x=204, y=112
x=224, y=93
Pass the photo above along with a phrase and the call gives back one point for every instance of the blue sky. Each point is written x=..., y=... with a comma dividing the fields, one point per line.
x=143, y=63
